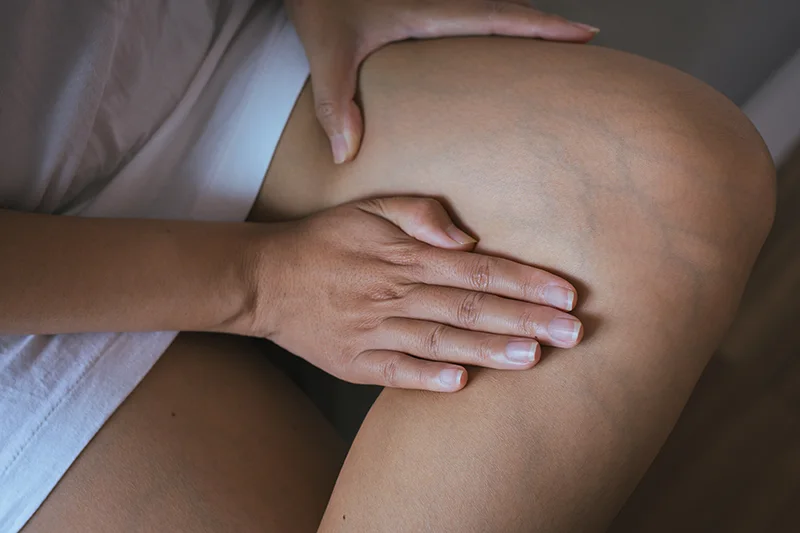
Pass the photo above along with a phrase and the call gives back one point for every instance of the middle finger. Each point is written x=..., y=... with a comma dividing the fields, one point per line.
x=481, y=311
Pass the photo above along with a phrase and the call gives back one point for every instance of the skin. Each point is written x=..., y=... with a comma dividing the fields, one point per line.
x=337, y=35
x=421, y=301
x=651, y=193
x=411, y=305
x=647, y=190
x=184, y=454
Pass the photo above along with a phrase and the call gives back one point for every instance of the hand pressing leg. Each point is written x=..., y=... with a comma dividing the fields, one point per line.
x=642, y=186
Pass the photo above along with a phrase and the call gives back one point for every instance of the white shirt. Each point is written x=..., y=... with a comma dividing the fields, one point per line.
x=122, y=108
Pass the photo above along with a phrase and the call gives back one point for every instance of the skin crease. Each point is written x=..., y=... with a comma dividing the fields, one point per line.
x=645, y=189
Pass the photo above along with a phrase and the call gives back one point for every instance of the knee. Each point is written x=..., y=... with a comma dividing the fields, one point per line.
x=707, y=173
x=700, y=160
x=600, y=140
x=715, y=198
x=702, y=165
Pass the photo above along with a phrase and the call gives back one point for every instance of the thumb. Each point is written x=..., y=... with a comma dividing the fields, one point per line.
x=425, y=219
x=333, y=81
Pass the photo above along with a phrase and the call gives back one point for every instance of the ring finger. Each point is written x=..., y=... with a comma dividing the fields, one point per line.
x=439, y=342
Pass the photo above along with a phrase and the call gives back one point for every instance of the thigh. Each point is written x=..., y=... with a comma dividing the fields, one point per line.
x=644, y=187
x=212, y=440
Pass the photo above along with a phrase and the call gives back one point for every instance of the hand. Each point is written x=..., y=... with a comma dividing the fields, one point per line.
x=387, y=292
x=339, y=34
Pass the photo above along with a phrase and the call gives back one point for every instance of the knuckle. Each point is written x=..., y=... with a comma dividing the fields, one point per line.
x=325, y=110
x=387, y=293
x=369, y=322
x=390, y=372
x=371, y=205
x=407, y=253
x=471, y=308
x=527, y=324
x=419, y=376
x=434, y=341
x=424, y=210
x=479, y=273
x=483, y=349
x=432, y=204
x=531, y=289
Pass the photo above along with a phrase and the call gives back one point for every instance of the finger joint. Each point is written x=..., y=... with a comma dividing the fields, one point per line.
x=532, y=290
x=484, y=350
x=479, y=274
x=527, y=325
x=325, y=111
x=424, y=211
x=471, y=309
x=387, y=293
x=434, y=341
x=390, y=372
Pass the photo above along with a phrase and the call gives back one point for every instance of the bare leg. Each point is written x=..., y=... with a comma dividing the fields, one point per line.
x=647, y=189
x=213, y=440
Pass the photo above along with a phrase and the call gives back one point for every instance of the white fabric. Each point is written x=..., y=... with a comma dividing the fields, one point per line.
x=117, y=108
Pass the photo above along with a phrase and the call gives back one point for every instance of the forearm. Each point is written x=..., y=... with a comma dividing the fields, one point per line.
x=69, y=275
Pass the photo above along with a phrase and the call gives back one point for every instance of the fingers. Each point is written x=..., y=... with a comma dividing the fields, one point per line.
x=333, y=82
x=479, y=311
x=394, y=369
x=495, y=17
x=334, y=56
x=433, y=344
x=484, y=273
x=425, y=219
x=438, y=342
x=336, y=48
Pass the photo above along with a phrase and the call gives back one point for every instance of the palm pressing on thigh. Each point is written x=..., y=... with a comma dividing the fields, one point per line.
x=388, y=292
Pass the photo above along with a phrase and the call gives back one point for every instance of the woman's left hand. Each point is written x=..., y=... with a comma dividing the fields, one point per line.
x=339, y=34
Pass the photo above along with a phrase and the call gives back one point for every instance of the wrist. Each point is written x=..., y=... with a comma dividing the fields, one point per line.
x=213, y=276
x=252, y=279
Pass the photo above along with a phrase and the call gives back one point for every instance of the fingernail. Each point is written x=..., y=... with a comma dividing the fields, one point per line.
x=523, y=352
x=352, y=143
x=564, y=329
x=585, y=27
x=560, y=297
x=450, y=378
x=339, y=147
x=459, y=236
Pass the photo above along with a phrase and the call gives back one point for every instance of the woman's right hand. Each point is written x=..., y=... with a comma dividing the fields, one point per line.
x=388, y=292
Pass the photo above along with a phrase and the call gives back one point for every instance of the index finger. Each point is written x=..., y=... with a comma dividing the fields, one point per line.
x=503, y=277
